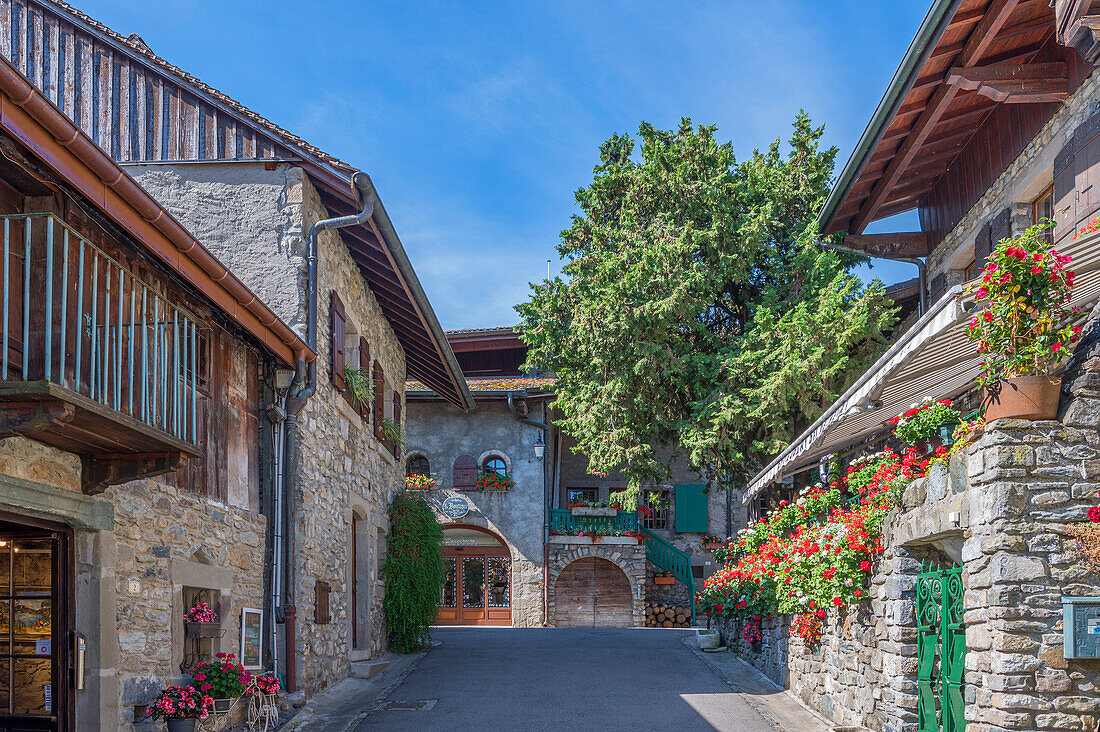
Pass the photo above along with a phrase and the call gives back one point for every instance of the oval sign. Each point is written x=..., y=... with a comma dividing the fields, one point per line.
x=455, y=507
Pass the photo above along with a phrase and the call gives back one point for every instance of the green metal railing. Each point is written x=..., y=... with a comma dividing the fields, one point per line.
x=666, y=556
x=562, y=521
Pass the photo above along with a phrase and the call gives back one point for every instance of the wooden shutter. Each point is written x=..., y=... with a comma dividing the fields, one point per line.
x=337, y=334
x=396, y=420
x=1000, y=228
x=691, y=509
x=364, y=365
x=1065, y=194
x=465, y=473
x=379, y=398
x=1086, y=157
x=937, y=287
x=983, y=247
x=321, y=613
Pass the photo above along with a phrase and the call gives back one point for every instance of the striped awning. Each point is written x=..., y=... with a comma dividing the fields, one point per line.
x=933, y=359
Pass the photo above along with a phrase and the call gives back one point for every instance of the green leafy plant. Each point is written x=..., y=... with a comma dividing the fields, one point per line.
x=223, y=678
x=357, y=381
x=1022, y=323
x=392, y=432
x=923, y=420
x=631, y=499
x=413, y=572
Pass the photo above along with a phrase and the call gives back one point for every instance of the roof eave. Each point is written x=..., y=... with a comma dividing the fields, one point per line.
x=933, y=26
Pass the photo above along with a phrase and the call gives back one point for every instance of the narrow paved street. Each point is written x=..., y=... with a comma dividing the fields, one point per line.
x=557, y=679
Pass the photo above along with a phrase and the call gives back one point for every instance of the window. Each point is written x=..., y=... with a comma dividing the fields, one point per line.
x=970, y=272
x=579, y=495
x=656, y=502
x=417, y=465
x=495, y=465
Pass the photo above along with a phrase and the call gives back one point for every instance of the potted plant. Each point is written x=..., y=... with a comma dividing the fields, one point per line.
x=180, y=707
x=419, y=482
x=201, y=622
x=1022, y=326
x=224, y=679
x=711, y=542
x=663, y=578
x=927, y=424
x=392, y=433
x=490, y=481
x=586, y=507
x=357, y=383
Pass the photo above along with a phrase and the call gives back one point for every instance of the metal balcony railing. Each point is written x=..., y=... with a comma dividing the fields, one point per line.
x=75, y=317
x=563, y=521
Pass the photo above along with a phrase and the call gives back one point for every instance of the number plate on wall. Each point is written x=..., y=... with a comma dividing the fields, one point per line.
x=1081, y=622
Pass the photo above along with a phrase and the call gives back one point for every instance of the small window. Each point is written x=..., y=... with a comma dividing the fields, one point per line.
x=579, y=495
x=1043, y=208
x=971, y=271
x=417, y=465
x=655, y=515
x=495, y=465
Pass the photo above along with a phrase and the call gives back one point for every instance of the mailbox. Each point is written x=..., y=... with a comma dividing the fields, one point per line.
x=1081, y=627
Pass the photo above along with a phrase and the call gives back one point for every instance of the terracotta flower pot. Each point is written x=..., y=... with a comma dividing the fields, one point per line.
x=712, y=545
x=1023, y=397
x=664, y=580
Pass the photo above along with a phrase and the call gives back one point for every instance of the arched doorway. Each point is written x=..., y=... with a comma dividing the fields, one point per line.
x=592, y=592
x=477, y=581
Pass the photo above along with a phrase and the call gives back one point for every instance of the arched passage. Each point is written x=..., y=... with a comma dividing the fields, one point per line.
x=592, y=592
x=477, y=581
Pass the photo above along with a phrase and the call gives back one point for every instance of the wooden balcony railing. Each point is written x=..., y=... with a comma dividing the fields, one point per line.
x=81, y=332
x=563, y=521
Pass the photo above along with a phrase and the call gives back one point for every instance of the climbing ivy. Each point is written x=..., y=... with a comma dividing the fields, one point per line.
x=413, y=572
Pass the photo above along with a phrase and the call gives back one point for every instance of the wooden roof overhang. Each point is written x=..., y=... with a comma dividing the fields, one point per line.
x=31, y=118
x=968, y=58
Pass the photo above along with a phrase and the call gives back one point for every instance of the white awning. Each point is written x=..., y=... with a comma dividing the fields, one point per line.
x=933, y=359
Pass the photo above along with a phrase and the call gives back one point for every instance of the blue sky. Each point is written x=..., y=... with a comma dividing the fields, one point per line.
x=478, y=121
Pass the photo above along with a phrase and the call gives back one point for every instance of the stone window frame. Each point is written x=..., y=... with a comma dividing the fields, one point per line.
x=413, y=455
x=489, y=454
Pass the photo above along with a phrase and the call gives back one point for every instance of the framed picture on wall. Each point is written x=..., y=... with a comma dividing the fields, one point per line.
x=252, y=639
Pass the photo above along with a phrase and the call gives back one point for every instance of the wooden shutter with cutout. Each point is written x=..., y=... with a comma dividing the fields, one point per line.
x=379, y=398
x=396, y=420
x=336, y=331
x=364, y=366
x=465, y=473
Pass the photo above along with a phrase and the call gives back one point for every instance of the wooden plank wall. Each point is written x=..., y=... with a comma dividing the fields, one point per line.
x=130, y=108
x=1002, y=137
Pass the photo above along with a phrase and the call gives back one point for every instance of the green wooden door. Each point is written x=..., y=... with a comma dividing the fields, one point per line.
x=941, y=651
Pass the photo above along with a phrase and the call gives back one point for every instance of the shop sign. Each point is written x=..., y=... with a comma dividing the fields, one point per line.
x=455, y=507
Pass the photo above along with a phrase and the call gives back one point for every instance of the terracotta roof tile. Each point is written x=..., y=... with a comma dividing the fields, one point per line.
x=477, y=384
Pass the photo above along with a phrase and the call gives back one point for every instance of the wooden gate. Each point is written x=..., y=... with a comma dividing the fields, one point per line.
x=941, y=651
x=593, y=593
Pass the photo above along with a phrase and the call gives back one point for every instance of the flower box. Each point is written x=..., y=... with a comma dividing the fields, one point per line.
x=202, y=630
x=712, y=545
x=584, y=511
x=573, y=539
x=664, y=580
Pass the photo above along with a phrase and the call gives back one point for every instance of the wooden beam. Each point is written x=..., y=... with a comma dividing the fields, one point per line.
x=100, y=471
x=1078, y=28
x=1014, y=84
x=902, y=244
x=25, y=418
x=976, y=45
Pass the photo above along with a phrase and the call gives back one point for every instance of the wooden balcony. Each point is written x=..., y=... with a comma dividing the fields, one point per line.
x=93, y=360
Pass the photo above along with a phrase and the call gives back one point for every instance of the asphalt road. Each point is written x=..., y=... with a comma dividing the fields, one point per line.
x=500, y=679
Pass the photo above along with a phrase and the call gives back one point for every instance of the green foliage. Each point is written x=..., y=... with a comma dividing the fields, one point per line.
x=392, y=432
x=413, y=572
x=358, y=384
x=696, y=309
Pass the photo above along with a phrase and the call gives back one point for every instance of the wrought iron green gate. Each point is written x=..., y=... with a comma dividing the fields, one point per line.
x=941, y=650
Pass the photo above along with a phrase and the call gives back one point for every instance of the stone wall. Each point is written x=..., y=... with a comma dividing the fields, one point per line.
x=627, y=554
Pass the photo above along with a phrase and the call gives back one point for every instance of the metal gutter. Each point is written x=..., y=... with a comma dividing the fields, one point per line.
x=928, y=35
x=922, y=268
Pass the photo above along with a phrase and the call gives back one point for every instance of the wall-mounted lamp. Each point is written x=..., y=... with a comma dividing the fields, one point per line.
x=540, y=448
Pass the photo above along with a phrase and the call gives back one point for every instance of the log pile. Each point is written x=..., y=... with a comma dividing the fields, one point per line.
x=667, y=616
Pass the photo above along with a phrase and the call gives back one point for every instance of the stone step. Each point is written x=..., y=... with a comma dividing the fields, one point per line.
x=368, y=669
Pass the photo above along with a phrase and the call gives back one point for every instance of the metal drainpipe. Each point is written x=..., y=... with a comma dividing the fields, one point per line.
x=304, y=386
x=922, y=268
x=545, y=500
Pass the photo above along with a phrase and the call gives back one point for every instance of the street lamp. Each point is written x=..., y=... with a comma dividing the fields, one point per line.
x=540, y=448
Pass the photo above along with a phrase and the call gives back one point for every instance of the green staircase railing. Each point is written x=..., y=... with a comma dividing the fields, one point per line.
x=563, y=521
x=666, y=556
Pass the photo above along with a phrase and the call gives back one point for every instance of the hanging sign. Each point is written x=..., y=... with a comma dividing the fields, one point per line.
x=455, y=507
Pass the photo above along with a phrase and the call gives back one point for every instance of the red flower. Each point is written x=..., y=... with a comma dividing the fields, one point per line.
x=865, y=566
x=1094, y=514
x=1056, y=347
x=837, y=601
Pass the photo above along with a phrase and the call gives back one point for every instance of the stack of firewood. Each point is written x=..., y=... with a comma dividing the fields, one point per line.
x=666, y=616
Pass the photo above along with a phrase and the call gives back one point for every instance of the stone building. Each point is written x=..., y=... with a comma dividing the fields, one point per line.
x=989, y=125
x=309, y=234
x=134, y=367
x=555, y=577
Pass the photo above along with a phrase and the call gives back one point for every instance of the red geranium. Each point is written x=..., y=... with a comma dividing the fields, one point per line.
x=1094, y=514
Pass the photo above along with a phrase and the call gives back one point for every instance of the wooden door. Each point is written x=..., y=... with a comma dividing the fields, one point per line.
x=593, y=593
x=477, y=587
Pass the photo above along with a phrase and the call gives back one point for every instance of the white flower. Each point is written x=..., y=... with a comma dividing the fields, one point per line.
x=848, y=582
x=913, y=406
x=804, y=601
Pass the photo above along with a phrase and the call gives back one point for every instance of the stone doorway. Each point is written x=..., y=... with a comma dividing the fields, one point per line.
x=593, y=592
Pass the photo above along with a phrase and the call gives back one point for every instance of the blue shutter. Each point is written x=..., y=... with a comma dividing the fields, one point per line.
x=691, y=509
